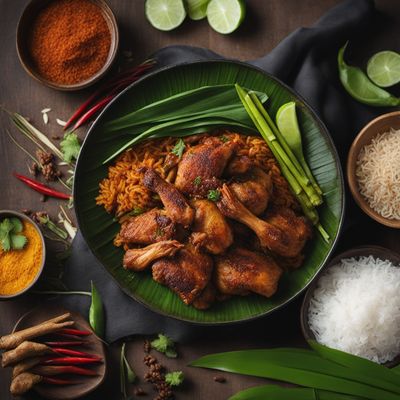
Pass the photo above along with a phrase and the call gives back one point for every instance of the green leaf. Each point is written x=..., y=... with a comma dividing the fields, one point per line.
x=96, y=313
x=6, y=227
x=213, y=195
x=18, y=241
x=70, y=147
x=6, y=242
x=164, y=344
x=17, y=225
x=179, y=148
x=174, y=378
x=197, y=181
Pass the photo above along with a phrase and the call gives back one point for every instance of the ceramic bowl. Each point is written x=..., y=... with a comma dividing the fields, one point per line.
x=9, y=213
x=360, y=251
x=380, y=124
x=23, y=30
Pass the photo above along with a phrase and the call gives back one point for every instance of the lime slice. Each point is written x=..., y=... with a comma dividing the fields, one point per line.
x=165, y=15
x=197, y=9
x=286, y=120
x=225, y=16
x=384, y=68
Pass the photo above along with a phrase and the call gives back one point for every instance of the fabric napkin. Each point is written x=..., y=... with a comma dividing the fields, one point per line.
x=306, y=61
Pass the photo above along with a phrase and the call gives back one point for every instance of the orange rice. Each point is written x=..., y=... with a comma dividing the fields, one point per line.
x=122, y=190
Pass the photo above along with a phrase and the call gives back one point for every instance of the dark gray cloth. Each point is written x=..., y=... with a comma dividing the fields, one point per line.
x=306, y=61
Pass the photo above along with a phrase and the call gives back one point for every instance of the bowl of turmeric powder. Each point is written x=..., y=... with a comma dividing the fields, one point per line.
x=67, y=44
x=22, y=253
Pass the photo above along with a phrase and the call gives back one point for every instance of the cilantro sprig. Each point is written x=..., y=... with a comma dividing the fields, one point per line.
x=214, y=195
x=164, y=344
x=179, y=148
x=174, y=378
x=70, y=146
x=10, y=234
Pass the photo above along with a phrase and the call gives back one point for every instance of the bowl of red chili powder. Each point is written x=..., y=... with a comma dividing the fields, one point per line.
x=67, y=44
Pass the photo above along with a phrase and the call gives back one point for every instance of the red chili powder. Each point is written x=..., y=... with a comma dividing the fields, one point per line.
x=70, y=41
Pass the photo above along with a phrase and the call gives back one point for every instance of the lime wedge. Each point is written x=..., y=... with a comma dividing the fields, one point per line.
x=383, y=68
x=225, y=16
x=197, y=9
x=165, y=15
x=286, y=120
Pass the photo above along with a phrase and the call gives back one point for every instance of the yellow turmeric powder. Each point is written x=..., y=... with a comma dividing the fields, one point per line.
x=18, y=268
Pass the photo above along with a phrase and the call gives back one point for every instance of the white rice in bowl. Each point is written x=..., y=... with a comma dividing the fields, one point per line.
x=356, y=308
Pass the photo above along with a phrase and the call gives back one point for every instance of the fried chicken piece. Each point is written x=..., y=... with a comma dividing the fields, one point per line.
x=187, y=274
x=254, y=190
x=149, y=227
x=174, y=202
x=241, y=271
x=202, y=165
x=209, y=221
x=238, y=165
x=206, y=297
x=139, y=259
x=273, y=236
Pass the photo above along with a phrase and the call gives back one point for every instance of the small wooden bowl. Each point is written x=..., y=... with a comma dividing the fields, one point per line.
x=23, y=30
x=380, y=124
x=360, y=251
x=23, y=217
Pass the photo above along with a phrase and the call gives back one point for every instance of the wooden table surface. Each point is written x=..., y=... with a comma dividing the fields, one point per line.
x=267, y=23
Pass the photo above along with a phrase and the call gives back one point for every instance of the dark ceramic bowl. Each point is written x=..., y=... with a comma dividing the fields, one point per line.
x=375, y=251
x=23, y=31
x=9, y=213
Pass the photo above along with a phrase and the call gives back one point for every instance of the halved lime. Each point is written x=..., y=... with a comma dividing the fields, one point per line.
x=197, y=9
x=225, y=16
x=383, y=68
x=165, y=14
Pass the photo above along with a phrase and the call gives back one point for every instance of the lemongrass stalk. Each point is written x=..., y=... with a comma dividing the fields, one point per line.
x=285, y=146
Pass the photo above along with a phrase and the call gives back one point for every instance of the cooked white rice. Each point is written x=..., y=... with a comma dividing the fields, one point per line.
x=356, y=308
x=378, y=173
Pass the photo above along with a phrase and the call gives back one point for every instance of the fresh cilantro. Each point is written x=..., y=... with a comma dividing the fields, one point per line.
x=135, y=211
x=213, y=195
x=10, y=237
x=165, y=345
x=197, y=181
x=174, y=378
x=224, y=139
x=179, y=148
x=70, y=147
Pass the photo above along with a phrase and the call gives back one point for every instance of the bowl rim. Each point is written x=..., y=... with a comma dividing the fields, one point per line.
x=354, y=151
x=114, y=32
x=358, y=251
x=24, y=217
x=318, y=122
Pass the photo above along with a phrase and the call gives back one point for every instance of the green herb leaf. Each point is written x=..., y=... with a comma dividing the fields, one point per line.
x=129, y=372
x=17, y=225
x=197, y=181
x=214, y=195
x=70, y=146
x=135, y=211
x=164, y=344
x=6, y=243
x=96, y=313
x=224, y=139
x=18, y=241
x=174, y=378
x=179, y=148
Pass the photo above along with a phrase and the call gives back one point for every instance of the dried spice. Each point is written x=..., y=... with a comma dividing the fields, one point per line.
x=70, y=41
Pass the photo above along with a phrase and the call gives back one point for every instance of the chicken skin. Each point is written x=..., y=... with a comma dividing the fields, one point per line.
x=174, y=202
x=150, y=227
x=238, y=165
x=209, y=220
x=187, y=273
x=254, y=190
x=202, y=166
x=240, y=271
x=272, y=236
x=140, y=259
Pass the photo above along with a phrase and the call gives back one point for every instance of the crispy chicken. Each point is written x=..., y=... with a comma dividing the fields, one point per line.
x=272, y=236
x=254, y=190
x=209, y=220
x=240, y=271
x=205, y=298
x=202, y=166
x=187, y=273
x=174, y=202
x=139, y=259
x=149, y=227
x=238, y=165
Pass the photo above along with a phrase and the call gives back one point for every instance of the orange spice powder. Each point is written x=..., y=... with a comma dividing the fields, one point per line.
x=18, y=268
x=70, y=41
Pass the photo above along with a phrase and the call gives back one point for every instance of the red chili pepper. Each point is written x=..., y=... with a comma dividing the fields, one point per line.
x=73, y=353
x=75, y=332
x=113, y=87
x=56, y=381
x=39, y=187
x=70, y=361
x=92, y=111
x=49, y=370
x=65, y=344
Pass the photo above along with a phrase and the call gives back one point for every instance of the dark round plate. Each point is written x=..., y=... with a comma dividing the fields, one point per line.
x=99, y=228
